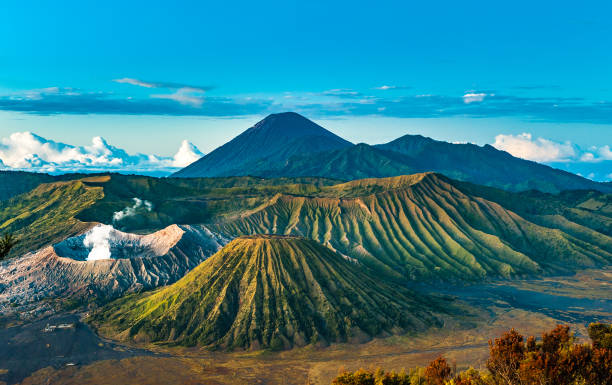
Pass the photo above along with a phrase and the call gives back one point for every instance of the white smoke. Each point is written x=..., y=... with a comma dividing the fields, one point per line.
x=98, y=239
x=131, y=210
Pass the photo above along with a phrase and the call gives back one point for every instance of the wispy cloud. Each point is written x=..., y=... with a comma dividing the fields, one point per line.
x=170, y=85
x=184, y=93
x=346, y=92
x=135, y=82
x=472, y=97
x=67, y=101
x=188, y=101
x=470, y=104
x=386, y=87
x=188, y=96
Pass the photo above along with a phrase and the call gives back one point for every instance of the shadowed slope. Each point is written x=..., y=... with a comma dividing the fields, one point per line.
x=271, y=141
x=269, y=292
x=423, y=226
x=486, y=165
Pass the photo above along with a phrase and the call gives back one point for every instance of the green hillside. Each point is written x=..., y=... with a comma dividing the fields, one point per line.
x=54, y=211
x=47, y=214
x=421, y=226
x=270, y=292
x=426, y=226
x=17, y=182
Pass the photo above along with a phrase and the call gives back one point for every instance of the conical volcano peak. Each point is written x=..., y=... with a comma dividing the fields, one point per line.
x=290, y=125
x=270, y=291
x=287, y=118
x=269, y=143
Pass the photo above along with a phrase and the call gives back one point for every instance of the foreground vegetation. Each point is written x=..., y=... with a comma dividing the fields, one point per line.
x=7, y=242
x=555, y=359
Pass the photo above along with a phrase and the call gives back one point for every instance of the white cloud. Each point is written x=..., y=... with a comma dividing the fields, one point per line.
x=594, y=163
x=30, y=152
x=189, y=96
x=605, y=153
x=187, y=154
x=539, y=150
x=386, y=87
x=472, y=97
x=135, y=82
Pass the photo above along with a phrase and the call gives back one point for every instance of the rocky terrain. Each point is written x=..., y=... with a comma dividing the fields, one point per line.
x=135, y=262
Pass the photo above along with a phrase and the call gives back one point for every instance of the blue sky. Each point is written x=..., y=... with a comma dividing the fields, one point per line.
x=146, y=75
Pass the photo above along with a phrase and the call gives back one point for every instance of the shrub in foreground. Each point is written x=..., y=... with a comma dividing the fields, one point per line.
x=554, y=359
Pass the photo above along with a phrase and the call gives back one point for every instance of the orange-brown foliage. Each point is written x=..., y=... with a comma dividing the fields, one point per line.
x=554, y=360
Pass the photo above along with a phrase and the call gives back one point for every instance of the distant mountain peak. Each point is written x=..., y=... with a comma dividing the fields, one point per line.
x=273, y=139
x=289, y=124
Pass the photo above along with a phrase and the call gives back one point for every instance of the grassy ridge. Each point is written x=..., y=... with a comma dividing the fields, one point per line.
x=189, y=201
x=270, y=292
x=53, y=211
x=423, y=226
x=47, y=214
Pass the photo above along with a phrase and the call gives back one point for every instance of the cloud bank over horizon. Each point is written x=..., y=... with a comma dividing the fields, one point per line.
x=181, y=99
x=29, y=152
x=594, y=162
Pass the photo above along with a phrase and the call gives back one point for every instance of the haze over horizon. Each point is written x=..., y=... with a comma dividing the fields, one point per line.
x=531, y=79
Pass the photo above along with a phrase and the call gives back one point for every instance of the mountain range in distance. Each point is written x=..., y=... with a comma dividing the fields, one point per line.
x=290, y=145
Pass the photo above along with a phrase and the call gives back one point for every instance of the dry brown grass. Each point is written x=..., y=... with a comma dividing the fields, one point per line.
x=299, y=366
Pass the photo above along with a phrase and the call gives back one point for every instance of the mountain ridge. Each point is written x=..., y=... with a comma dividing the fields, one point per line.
x=419, y=227
x=270, y=291
x=408, y=154
x=429, y=227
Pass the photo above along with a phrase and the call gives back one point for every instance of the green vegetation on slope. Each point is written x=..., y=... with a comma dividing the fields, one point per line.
x=270, y=292
x=424, y=226
x=54, y=211
x=7, y=242
x=13, y=183
x=46, y=214
x=421, y=226
x=189, y=201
